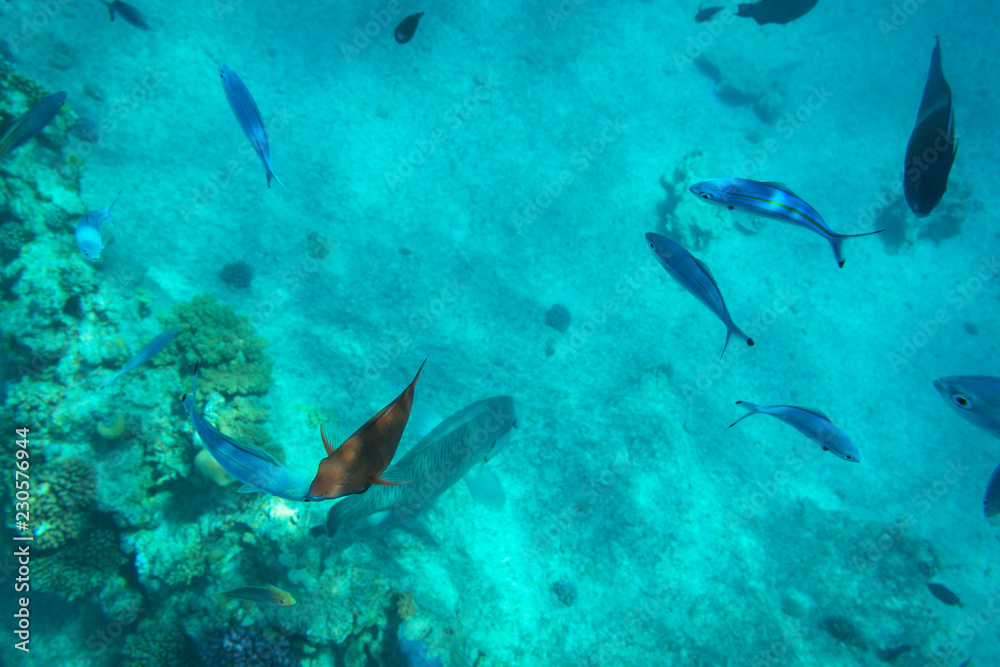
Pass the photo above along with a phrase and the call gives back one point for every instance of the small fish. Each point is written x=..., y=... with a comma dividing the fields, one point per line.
x=770, y=200
x=93, y=232
x=696, y=278
x=976, y=398
x=152, y=348
x=456, y=448
x=931, y=150
x=892, y=654
x=258, y=470
x=706, y=14
x=248, y=115
x=776, y=11
x=404, y=31
x=23, y=128
x=945, y=594
x=131, y=15
x=363, y=458
x=264, y=594
x=811, y=423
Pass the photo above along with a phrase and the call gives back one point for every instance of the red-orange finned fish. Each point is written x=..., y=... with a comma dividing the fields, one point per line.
x=363, y=458
x=263, y=594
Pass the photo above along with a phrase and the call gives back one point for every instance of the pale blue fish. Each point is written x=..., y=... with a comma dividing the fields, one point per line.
x=152, y=348
x=23, y=128
x=696, y=278
x=977, y=399
x=770, y=200
x=258, y=470
x=93, y=232
x=457, y=448
x=811, y=423
x=249, y=117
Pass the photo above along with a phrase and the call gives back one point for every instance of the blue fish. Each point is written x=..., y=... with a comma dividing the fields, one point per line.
x=455, y=448
x=249, y=117
x=976, y=398
x=23, y=128
x=258, y=470
x=932, y=147
x=696, y=278
x=770, y=200
x=145, y=354
x=811, y=423
x=94, y=230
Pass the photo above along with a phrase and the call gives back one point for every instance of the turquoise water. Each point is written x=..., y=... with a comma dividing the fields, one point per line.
x=442, y=196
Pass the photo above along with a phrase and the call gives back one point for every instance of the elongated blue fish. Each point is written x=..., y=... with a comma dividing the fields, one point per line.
x=23, y=128
x=695, y=277
x=470, y=437
x=770, y=200
x=976, y=398
x=152, y=348
x=258, y=470
x=247, y=113
x=811, y=423
x=94, y=230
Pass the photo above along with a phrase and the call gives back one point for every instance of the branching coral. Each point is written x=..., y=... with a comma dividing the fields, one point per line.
x=157, y=643
x=65, y=496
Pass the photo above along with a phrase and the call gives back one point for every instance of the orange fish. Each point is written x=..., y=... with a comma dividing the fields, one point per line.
x=362, y=459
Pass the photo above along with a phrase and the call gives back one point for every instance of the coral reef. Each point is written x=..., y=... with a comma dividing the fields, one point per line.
x=157, y=643
x=65, y=495
x=80, y=567
x=565, y=591
x=318, y=246
x=246, y=647
x=237, y=275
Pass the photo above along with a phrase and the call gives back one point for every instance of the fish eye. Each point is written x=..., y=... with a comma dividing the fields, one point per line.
x=705, y=195
x=651, y=245
x=963, y=402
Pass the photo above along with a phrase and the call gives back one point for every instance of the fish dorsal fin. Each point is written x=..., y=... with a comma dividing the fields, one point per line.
x=328, y=436
x=391, y=476
x=705, y=269
x=814, y=411
x=250, y=449
x=778, y=185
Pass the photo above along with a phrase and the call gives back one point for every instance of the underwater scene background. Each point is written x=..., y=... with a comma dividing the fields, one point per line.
x=479, y=196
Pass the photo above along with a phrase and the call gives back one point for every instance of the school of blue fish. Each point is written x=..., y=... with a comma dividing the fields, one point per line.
x=460, y=446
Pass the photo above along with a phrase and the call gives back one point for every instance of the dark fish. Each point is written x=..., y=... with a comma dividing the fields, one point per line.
x=455, y=449
x=406, y=28
x=247, y=113
x=892, y=654
x=776, y=11
x=131, y=15
x=20, y=130
x=932, y=146
x=944, y=594
x=706, y=14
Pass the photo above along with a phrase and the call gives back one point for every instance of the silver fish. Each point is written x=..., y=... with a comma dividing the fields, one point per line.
x=152, y=348
x=770, y=200
x=23, y=128
x=258, y=470
x=93, y=232
x=471, y=436
x=696, y=278
x=976, y=398
x=249, y=117
x=811, y=423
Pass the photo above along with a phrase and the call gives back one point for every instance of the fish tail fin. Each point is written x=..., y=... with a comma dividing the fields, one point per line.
x=837, y=241
x=753, y=409
x=730, y=329
x=270, y=175
x=190, y=402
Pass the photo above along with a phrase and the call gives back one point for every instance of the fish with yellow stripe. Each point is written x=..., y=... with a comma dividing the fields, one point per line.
x=770, y=200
